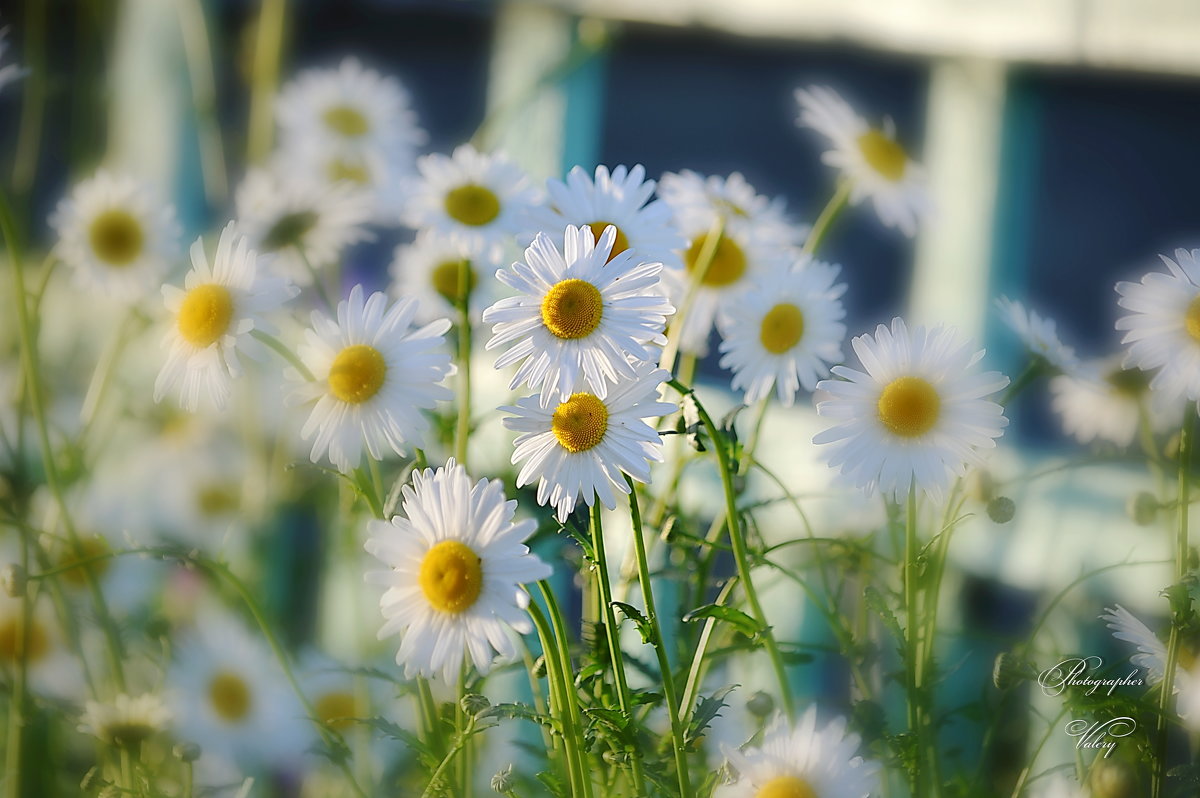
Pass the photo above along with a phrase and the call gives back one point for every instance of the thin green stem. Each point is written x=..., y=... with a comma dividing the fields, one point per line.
x=268, y=52
x=318, y=283
x=912, y=637
x=463, y=428
x=460, y=741
x=564, y=653
x=1037, y=367
x=18, y=702
x=829, y=213
x=287, y=354
x=691, y=689
x=558, y=698
x=704, y=259
x=429, y=712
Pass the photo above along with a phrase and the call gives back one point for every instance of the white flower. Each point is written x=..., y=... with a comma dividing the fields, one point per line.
x=1151, y=656
x=214, y=315
x=697, y=201
x=303, y=225
x=126, y=720
x=377, y=180
x=429, y=270
x=1060, y=786
x=479, y=200
x=1101, y=401
x=1039, y=334
x=785, y=331
x=9, y=73
x=116, y=235
x=374, y=377
x=456, y=562
x=917, y=416
x=52, y=666
x=621, y=198
x=804, y=762
x=580, y=315
x=869, y=157
x=1163, y=327
x=580, y=446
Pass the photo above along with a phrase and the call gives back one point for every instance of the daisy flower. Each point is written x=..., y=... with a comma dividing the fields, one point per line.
x=429, y=269
x=697, y=201
x=304, y=226
x=214, y=315
x=377, y=179
x=581, y=446
x=1162, y=329
x=9, y=73
x=1038, y=333
x=1103, y=402
x=126, y=720
x=116, y=235
x=373, y=377
x=917, y=415
x=478, y=200
x=869, y=157
x=582, y=314
x=784, y=331
x=803, y=762
x=53, y=668
x=621, y=198
x=1151, y=656
x=456, y=562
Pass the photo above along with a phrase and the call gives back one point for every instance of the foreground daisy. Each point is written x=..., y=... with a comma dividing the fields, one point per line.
x=373, y=378
x=1162, y=330
x=803, y=762
x=917, y=416
x=478, y=200
x=456, y=562
x=116, y=235
x=1039, y=334
x=581, y=446
x=870, y=158
x=582, y=315
x=214, y=315
x=430, y=269
x=621, y=198
x=1151, y=656
x=126, y=720
x=1103, y=402
x=784, y=331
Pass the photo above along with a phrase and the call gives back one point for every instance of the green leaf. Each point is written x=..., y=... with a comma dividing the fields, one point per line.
x=707, y=709
x=878, y=604
x=740, y=620
x=634, y=614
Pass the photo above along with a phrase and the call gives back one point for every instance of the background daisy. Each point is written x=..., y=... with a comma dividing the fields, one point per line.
x=697, y=201
x=1101, y=401
x=1039, y=334
x=429, y=270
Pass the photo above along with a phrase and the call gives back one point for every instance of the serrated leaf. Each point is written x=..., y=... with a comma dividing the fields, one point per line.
x=707, y=709
x=877, y=603
x=740, y=620
x=634, y=614
x=518, y=711
x=553, y=783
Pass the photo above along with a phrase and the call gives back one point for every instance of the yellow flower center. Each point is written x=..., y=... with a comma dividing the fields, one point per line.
x=1192, y=320
x=620, y=243
x=10, y=640
x=288, y=230
x=786, y=787
x=230, y=696
x=451, y=576
x=447, y=280
x=336, y=710
x=580, y=422
x=347, y=121
x=1128, y=382
x=472, y=205
x=116, y=237
x=216, y=499
x=909, y=407
x=341, y=170
x=205, y=314
x=572, y=309
x=883, y=154
x=782, y=328
x=357, y=373
x=728, y=261
x=88, y=548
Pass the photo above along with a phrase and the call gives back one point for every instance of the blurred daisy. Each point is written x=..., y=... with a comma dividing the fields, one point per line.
x=1151, y=657
x=582, y=315
x=377, y=179
x=621, y=198
x=456, y=562
x=803, y=762
x=331, y=691
x=580, y=446
x=697, y=201
x=869, y=157
x=1060, y=786
x=116, y=235
x=303, y=225
x=126, y=720
x=917, y=416
x=9, y=73
x=374, y=377
x=53, y=668
x=1039, y=334
x=1104, y=402
x=785, y=331
x=478, y=200
x=1162, y=330
x=429, y=270
x=214, y=315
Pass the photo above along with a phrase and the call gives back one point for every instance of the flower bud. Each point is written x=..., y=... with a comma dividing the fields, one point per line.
x=13, y=580
x=1142, y=507
x=1008, y=670
x=760, y=704
x=503, y=781
x=1001, y=509
x=474, y=703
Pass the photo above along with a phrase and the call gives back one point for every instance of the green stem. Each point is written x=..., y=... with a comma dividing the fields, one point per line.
x=287, y=354
x=738, y=541
x=19, y=699
x=429, y=711
x=1035, y=369
x=460, y=741
x=912, y=637
x=463, y=429
x=704, y=259
x=564, y=652
x=660, y=648
x=829, y=213
x=691, y=689
x=33, y=102
x=268, y=49
x=318, y=283
x=559, y=687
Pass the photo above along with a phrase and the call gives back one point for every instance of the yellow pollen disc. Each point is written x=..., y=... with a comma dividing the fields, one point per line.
x=786, y=787
x=580, y=422
x=88, y=548
x=347, y=121
x=782, y=328
x=230, y=696
x=116, y=237
x=572, y=309
x=445, y=279
x=1128, y=382
x=1192, y=319
x=205, y=314
x=728, y=261
x=451, y=576
x=883, y=154
x=357, y=373
x=336, y=709
x=216, y=500
x=349, y=172
x=10, y=640
x=909, y=407
x=472, y=205
x=620, y=243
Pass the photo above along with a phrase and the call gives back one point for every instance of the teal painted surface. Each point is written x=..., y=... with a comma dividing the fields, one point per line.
x=584, y=89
